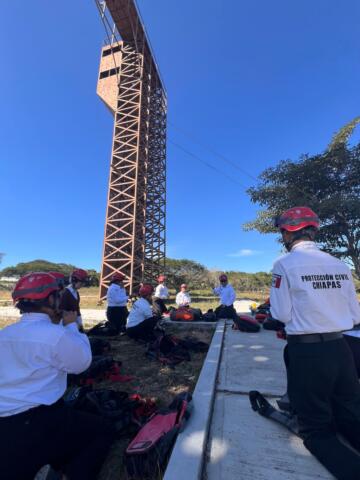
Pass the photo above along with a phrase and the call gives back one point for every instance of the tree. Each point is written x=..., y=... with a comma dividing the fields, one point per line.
x=186, y=271
x=46, y=266
x=329, y=183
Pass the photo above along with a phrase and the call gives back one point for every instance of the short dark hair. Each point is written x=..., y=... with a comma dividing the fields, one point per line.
x=307, y=232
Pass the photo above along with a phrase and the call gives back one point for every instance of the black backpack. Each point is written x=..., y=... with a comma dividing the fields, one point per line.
x=99, y=346
x=246, y=323
x=102, y=329
x=147, y=453
x=168, y=350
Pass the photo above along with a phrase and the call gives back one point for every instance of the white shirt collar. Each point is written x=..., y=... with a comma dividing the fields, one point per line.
x=33, y=317
x=306, y=244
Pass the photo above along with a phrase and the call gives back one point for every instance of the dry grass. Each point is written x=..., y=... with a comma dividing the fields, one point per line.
x=152, y=380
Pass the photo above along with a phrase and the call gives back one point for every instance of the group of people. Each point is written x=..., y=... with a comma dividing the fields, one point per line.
x=312, y=293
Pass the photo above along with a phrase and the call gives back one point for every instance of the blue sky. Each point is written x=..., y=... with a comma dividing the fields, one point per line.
x=254, y=80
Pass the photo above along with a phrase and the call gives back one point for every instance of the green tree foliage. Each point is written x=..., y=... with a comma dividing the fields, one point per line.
x=186, y=271
x=329, y=183
x=45, y=266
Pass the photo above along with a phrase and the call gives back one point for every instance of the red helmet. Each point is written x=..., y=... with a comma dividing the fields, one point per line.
x=117, y=277
x=223, y=278
x=80, y=275
x=60, y=278
x=161, y=278
x=297, y=218
x=183, y=285
x=146, y=290
x=35, y=286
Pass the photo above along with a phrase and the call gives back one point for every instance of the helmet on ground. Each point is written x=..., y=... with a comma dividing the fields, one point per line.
x=79, y=275
x=297, y=218
x=146, y=290
x=60, y=278
x=35, y=286
x=223, y=278
x=183, y=285
x=117, y=277
x=161, y=278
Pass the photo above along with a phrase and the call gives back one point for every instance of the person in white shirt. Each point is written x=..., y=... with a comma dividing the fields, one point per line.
x=313, y=294
x=117, y=298
x=183, y=298
x=227, y=296
x=36, y=355
x=161, y=294
x=141, y=321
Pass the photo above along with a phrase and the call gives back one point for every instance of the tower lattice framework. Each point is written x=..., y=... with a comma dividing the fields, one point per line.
x=130, y=86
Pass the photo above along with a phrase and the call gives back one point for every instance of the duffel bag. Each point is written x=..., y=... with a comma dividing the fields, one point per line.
x=147, y=453
x=182, y=315
x=246, y=323
x=261, y=317
x=272, y=324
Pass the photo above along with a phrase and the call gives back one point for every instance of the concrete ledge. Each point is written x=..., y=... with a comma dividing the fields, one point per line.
x=189, y=324
x=189, y=451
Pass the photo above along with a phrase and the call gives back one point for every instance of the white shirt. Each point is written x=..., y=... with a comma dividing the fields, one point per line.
x=36, y=356
x=116, y=296
x=182, y=299
x=161, y=292
x=141, y=310
x=226, y=293
x=313, y=292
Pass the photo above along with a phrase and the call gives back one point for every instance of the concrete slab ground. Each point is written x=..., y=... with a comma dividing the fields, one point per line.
x=242, y=444
x=252, y=361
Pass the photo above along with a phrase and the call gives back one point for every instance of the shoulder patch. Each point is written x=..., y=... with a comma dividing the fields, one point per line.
x=276, y=280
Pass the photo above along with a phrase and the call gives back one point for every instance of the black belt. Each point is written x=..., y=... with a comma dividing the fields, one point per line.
x=314, y=337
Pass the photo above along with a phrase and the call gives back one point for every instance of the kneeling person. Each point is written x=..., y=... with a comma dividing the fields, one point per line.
x=183, y=298
x=117, y=300
x=36, y=355
x=141, y=320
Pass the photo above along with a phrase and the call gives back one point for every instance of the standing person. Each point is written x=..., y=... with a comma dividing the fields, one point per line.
x=313, y=294
x=117, y=301
x=36, y=427
x=227, y=296
x=70, y=299
x=183, y=298
x=141, y=321
x=161, y=294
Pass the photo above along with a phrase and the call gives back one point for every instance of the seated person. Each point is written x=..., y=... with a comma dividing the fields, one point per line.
x=117, y=298
x=227, y=297
x=36, y=355
x=161, y=294
x=141, y=321
x=183, y=297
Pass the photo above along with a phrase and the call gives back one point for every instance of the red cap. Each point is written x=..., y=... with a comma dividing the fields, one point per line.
x=223, y=278
x=297, y=218
x=79, y=274
x=161, y=278
x=35, y=286
x=146, y=290
x=117, y=277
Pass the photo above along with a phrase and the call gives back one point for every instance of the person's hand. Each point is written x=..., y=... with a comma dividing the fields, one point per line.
x=69, y=317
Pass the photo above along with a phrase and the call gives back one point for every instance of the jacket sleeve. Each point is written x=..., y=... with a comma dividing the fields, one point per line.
x=216, y=290
x=232, y=295
x=280, y=300
x=72, y=353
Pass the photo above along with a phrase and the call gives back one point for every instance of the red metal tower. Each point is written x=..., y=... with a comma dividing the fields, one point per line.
x=131, y=87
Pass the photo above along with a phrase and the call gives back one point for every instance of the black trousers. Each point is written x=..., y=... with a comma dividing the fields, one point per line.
x=225, y=311
x=159, y=306
x=144, y=330
x=325, y=392
x=354, y=344
x=117, y=317
x=69, y=440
